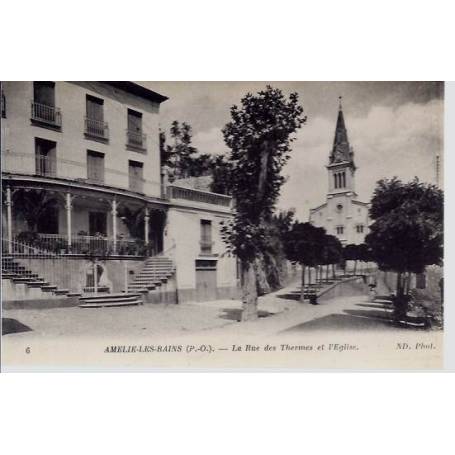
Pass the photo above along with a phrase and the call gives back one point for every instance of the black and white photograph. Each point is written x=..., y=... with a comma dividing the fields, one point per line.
x=222, y=224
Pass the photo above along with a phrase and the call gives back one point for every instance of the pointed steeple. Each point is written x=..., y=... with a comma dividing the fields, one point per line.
x=341, y=150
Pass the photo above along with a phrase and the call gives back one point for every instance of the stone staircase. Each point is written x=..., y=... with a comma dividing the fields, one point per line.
x=156, y=272
x=110, y=300
x=18, y=274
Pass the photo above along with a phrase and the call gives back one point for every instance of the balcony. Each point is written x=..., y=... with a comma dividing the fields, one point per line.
x=96, y=129
x=136, y=140
x=45, y=166
x=47, y=115
x=205, y=197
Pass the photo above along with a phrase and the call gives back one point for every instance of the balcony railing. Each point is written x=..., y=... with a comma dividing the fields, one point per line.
x=46, y=114
x=45, y=166
x=177, y=192
x=96, y=128
x=90, y=245
x=136, y=139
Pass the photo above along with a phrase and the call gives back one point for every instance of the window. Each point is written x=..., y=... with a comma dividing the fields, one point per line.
x=3, y=105
x=206, y=237
x=44, y=93
x=43, y=104
x=339, y=207
x=95, y=166
x=97, y=222
x=135, y=173
x=359, y=228
x=95, y=126
x=343, y=180
x=336, y=180
x=135, y=137
x=340, y=229
x=45, y=157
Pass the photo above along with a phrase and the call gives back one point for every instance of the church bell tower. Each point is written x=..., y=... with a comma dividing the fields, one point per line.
x=341, y=167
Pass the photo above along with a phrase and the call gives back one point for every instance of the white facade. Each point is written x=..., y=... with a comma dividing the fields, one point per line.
x=342, y=215
x=93, y=147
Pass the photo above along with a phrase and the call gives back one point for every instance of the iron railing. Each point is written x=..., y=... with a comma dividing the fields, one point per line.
x=206, y=197
x=45, y=165
x=96, y=128
x=46, y=114
x=136, y=139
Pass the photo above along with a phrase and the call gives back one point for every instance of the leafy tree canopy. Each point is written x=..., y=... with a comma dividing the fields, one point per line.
x=407, y=232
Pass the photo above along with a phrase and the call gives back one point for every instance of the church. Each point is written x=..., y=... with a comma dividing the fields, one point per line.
x=342, y=215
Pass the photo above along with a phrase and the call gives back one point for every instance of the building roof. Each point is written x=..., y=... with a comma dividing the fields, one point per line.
x=341, y=150
x=138, y=90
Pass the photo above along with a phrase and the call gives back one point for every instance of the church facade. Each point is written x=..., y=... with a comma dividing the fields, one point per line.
x=342, y=215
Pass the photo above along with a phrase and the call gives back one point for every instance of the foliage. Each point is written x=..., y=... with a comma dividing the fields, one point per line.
x=133, y=220
x=407, y=231
x=34, y=205
x=304, y=243
x=259, y=136
x=332, y=250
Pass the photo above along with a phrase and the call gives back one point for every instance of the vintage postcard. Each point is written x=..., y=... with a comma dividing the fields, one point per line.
x=222, y=225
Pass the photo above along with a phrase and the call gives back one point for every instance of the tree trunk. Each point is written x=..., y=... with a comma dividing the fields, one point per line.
x=355, y=267
x=401, y=303
x=309, y=275
x=327, y=273
x=302, y=292
x=333, y=272
x=250, y=295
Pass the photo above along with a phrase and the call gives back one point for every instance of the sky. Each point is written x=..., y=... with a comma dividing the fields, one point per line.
x=395, y=128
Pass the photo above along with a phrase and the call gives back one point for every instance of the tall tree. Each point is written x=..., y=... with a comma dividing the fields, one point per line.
x=303, y=244
x=407, y=231
x=259, y=135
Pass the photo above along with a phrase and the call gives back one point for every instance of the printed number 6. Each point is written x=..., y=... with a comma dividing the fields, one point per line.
x=27, y=350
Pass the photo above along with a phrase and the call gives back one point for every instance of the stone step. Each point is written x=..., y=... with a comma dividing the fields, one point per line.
x=111, y=300
x=108, y=303
x=61, y=291
x=48, y=287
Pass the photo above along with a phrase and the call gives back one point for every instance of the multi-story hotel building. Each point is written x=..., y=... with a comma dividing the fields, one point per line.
x=82, y=183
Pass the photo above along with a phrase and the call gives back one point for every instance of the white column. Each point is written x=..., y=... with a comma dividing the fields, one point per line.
x=68, y=206
x=146, y=225
x=9, y=220
x=114, y=225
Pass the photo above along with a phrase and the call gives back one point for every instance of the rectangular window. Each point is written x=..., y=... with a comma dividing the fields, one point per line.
x=95, y=108
x=340, y=229
x=44, y=93
x=206, y=237
x=97, y=222
x=360, y=228
x=95, y=126
x=136, y=176
x=134, y=135
x=45, y=157
x=43, y=105
x=95, y=166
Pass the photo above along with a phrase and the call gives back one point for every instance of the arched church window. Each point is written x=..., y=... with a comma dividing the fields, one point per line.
x=335, y=177
x=343, y=180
